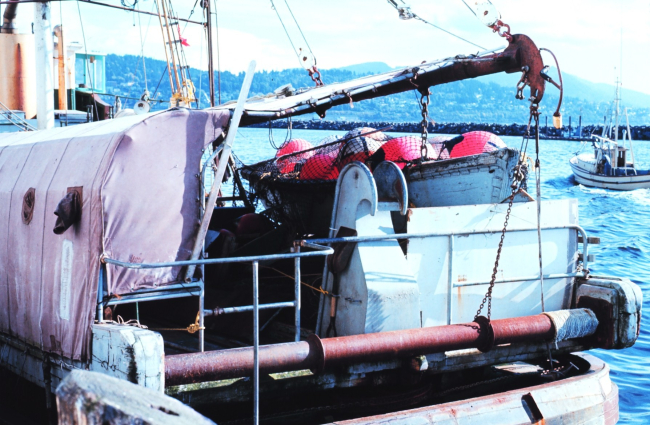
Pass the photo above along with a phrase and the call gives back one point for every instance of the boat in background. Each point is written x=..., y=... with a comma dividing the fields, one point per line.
x=609, y=166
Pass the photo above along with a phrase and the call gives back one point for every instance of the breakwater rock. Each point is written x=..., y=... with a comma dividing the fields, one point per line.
x=638, y=132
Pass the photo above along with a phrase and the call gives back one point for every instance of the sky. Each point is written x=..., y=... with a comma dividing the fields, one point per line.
x=591, y=38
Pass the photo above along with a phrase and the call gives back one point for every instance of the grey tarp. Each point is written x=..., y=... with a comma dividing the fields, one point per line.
x=139, y=187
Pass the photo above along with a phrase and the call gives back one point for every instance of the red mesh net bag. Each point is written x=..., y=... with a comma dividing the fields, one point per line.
x=294, y=145
x=438, y=144
x=319, y=167
x=378, y=135
x=358, y=149
x=288, y=164
x=402, y=150
x=475, y=143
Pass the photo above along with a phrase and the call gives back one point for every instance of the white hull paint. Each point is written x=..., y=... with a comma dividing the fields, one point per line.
x=587, y=178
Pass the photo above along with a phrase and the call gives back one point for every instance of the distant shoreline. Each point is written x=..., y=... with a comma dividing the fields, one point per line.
x=638, y=132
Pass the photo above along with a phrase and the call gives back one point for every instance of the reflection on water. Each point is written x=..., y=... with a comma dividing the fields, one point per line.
x=620, y=219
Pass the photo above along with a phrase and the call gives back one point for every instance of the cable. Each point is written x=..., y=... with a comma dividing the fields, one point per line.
x=285, y=31
x=300, y=29
x=405, y=13
x=448, y=32
x=216, y=19
x=92, y=85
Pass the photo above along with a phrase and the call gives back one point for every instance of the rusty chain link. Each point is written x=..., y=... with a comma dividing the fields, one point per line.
x=518, y=176
x=424, y=102
x=314, y=73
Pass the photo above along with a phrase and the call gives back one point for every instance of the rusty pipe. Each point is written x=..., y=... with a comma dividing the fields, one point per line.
x=318, y=354
x=63, y=92
x=8, y=19
x=521, y=53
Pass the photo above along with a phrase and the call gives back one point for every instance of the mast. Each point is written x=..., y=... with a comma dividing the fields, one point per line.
x=210, y=59
x=44, y=46
x=616, y=108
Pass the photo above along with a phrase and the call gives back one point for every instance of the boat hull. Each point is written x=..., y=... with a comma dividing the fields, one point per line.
x=589, y=398
x=588, y=178
x=469, y=180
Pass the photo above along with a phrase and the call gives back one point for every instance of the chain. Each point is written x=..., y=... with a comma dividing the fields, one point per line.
x=502, y=29
x=314, y=73
x=488, y=295
x=424, y=102
x=518, y=177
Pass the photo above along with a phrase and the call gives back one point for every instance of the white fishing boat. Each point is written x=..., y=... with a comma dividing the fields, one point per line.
x=611, y=163
x=441, y=291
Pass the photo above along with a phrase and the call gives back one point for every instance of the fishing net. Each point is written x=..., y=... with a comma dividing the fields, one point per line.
x=297, y=186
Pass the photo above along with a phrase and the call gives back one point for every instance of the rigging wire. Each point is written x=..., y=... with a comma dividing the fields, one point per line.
x=92, y=85
x=406, y=13
x=162, y=75
x=216, y=19
x=142, y=41
x=300, y=29
x=285, y=30
x=448, y=32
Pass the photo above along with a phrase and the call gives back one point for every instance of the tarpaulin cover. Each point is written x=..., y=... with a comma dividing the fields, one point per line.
x=137, y=180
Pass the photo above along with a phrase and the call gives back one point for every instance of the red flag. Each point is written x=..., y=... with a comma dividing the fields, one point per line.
x=183, y=40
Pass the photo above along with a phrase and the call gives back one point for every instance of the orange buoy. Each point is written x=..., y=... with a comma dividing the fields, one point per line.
x=401, y=150
x=295, y=145
x=288, y=164
x=319, y=167
x=358, y=149
x=474, y=143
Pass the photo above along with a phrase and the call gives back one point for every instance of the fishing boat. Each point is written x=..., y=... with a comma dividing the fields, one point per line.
x=433, y=296
x=610, y=163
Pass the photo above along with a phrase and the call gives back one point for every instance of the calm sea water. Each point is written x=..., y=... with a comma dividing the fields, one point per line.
x=620, y=219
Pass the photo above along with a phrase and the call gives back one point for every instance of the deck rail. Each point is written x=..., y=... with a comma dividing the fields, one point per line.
x=162, y=292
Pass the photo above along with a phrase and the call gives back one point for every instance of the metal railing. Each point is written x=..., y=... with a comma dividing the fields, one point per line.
x=451, y=235
x=162, y=292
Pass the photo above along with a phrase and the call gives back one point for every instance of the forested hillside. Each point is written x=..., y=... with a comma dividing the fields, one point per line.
x=475, y=100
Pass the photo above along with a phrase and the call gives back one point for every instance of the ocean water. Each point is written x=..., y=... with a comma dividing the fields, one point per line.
x=620, y=219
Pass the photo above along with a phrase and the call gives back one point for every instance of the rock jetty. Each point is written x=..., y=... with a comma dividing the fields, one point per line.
x=638, y=132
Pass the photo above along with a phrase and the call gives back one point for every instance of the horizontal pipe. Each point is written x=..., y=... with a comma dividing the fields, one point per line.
x=324, y=251
x=358, y=239
x=154, y=296
x=244, y=308
x=522, y=279
x=317, y=354
x=372, y=238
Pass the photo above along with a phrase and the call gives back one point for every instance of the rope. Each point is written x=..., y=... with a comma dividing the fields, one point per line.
x=572, y=323
x=538, y=178
x=193, y=328
x=321, y=290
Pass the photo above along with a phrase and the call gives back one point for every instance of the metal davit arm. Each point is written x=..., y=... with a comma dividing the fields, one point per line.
x=521, y=55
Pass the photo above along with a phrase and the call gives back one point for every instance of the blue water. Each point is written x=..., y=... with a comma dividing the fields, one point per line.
x=620, y=219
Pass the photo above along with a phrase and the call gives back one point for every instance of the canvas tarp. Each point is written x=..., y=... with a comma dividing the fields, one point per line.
x=139, y=187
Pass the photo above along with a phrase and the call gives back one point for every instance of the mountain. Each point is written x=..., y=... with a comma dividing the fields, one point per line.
x=489, y=99
x=367, y=68
x=578, y=87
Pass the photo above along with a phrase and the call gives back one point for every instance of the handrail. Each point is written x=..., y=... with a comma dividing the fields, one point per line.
x=316, y=242
x=324, y=250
